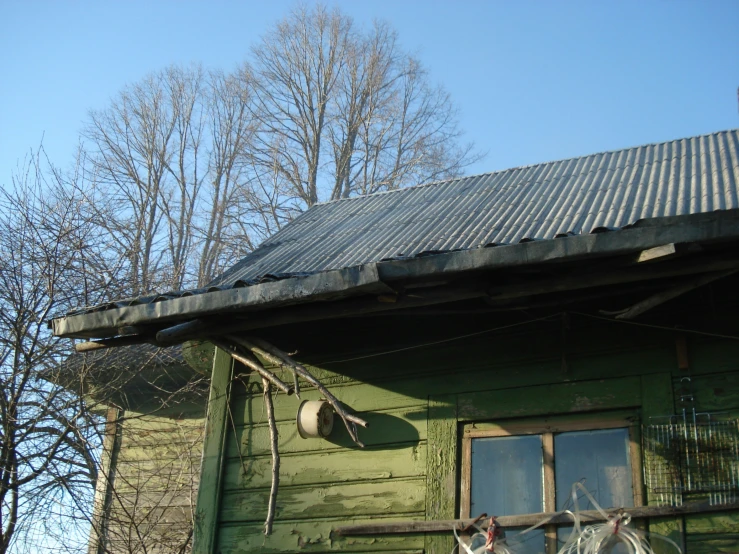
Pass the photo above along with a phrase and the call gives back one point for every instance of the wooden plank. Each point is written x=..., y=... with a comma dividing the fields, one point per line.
x=484, y=374
x=550, y=531
x=140, y=429
x=671, y=293
x=309, y=536
x=206, y=517
x=144, y=498
x=657, y=401
x=166, y=538
x=713, y=393
x=186, y=483
x=635, y=349
x=441, y=468
x=554, y=424
x=628, y=351
x=184, y=466
x=465, y=486
x=358, y=396
x=367, y=498
x=714, y=355
x=584, y=396
x=656, y=252
x=145, y=515
x=161, y=437
x=545, y=518
x=161, y=452
x=721, y=522
x=186, y=415
x=319, y=468
x=394, y=426
x=712, y=544
x=637, y=465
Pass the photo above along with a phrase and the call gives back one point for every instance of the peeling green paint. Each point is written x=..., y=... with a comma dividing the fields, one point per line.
x=414, y=402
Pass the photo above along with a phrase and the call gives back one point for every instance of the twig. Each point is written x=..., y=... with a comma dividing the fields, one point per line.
x=296, y=384
x=278, y=357
x=236, y=438
x=275, y=457
x=252, y=362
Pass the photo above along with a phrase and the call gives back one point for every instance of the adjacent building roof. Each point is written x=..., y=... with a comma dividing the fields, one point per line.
x=568, y=198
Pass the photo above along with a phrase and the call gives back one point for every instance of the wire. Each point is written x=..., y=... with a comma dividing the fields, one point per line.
x=663, y=327
x=443, y=341
x=546, y=318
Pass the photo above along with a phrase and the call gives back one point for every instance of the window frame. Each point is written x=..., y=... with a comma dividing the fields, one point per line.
x=547, y=428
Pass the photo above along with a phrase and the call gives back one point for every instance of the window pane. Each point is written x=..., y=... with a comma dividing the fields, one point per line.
x=600, y=461
x=597, y=459
x=531, y=543
x=507, y=476
x=507, y=479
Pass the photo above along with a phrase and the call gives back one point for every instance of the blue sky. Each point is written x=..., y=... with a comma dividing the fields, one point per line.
x=534, y=80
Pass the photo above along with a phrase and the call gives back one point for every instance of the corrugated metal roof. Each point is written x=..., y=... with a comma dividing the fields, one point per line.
x=609, y=190
x=604, y=191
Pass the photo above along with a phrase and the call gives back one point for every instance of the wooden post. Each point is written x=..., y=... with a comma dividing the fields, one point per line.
x=550, y=531
x=681, y=346
x=441, y=468
x=105, y=482
x=211, y=467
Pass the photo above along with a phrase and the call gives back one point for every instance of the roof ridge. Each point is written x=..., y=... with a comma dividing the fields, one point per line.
x=527, y=166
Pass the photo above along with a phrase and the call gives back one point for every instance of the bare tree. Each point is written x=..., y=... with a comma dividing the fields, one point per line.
x=47, y=431
x=173, y=153
x=200, y=166
x=182, y=174
x=222, y=238
x=343, y=111
x=298, y=66
x=134, y=153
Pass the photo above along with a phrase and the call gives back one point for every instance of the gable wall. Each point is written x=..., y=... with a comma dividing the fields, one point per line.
x=155, y=482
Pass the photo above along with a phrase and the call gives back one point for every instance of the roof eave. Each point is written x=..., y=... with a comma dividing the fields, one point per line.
x=329, y=285
x=376, y=278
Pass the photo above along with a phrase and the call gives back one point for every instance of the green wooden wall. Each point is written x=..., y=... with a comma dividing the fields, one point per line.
x=155, y=481
x=416, y=399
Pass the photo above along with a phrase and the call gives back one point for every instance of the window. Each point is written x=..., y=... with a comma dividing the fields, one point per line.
x=524, y=467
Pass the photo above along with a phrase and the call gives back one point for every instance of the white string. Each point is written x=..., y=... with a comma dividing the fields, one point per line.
x=601, y=537
x=478, y=542
x=598, y=538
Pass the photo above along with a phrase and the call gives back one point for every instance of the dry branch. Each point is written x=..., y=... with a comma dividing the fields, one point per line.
x=278, y=357
x=252, y=362
x=275, y=457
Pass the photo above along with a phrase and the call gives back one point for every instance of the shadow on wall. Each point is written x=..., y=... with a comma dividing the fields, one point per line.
x=391, y=431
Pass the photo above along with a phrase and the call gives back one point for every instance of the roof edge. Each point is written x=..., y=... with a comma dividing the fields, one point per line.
x=646, y=233
x=375, y=278
x=328, y=285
